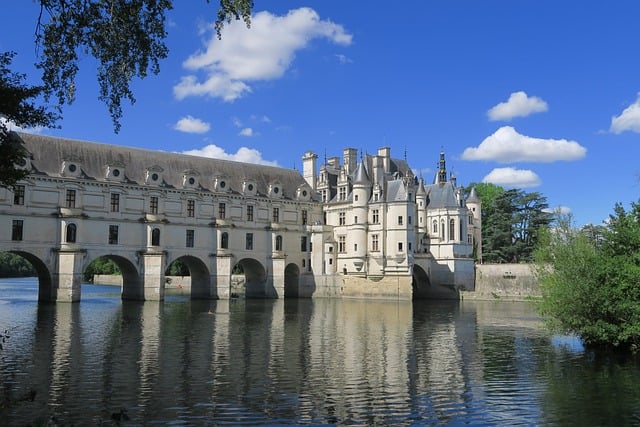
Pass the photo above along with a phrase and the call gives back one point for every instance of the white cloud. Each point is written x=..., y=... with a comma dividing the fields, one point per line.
x=244, y=154
x=629, y=119
x=562, y=210
x=513, y=178
x=246, y=132
x=263, y=52
x=190, y=124
x=518, y=105
x=11, y=126
x=506, y=145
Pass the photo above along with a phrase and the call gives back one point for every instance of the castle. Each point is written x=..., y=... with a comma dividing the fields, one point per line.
x=363, y=227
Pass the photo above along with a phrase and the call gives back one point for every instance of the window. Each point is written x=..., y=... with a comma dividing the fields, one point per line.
x=470, y=239
x=278, y=243
x=71, y=233
x=342, y=218
x=249, y=242
x=276, y=214
x=470, y=219
x=355, y=198
x=343, y=193
x=153, y=205
x=115, y=202
x=70, y=199
x=16, y=229
x=355, y=219
x=224, y=240
x=461, y=230
x=409, y=220
x=376, y=197
x=409, y=246
x=191, y=208
x=113, y=234
x=222, y=210
x=452, y=229
x=400, y=245
x=191, y=238
x=303, y=243
x=435, y=227
x=400, y=220
x=375, y=216
x=374, y=243
x=155, y=237
x=324, y=195
x=249, y=213
x=442, y=230
x=342, y=244
x=18, y=195
x=355, y=247
x=305, y=217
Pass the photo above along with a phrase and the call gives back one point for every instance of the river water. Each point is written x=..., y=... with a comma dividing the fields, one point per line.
x=298, y=362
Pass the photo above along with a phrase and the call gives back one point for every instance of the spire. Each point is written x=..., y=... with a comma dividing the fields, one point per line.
x=421, y=190
x=361, y=176
x=473, y=196
x=441, y=176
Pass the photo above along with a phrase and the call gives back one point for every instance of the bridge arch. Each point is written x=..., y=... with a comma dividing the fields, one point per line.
x=46, y=292
x=255, y=278
x=132, y=284
x=291, y=281
x=200, y=275
x=424, y=288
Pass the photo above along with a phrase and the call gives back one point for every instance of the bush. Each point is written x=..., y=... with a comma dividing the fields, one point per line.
x=591, y=288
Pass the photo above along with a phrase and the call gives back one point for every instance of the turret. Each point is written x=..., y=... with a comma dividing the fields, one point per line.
x=474, y=205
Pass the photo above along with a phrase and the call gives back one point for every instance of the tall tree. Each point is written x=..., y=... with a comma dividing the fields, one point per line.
x=17, y=106
x=127, y=37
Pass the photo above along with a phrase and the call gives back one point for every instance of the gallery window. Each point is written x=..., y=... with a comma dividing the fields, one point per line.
x=71, y=233
x=18, y=195
x=153, y=205
x=115, y=202
x=190, y=239
x=191, y=208
x=16, y=229
x=70, y=199
x=155, y=237
x=113, y=234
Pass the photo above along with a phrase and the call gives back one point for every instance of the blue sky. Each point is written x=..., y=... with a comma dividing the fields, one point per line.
x=539, y=95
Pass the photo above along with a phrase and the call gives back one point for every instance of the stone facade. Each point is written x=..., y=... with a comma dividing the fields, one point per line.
x=367, y=228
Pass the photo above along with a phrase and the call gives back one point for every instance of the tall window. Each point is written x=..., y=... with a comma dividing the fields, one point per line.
x=153, y=205
x=115, y=202
x=222, y=210
x=303, y=243
x=249, y=213
x=343, y=193
x=342, y=244
x=400, y=220
x=442, y=230
x=400, y=246
x=435, y=227
x=18, y=195
x=190, y=239
x=409, y=220
x=16, y=229
x=278, y=243
x=374, y=243
x=155, y=237
x=452, y=229
x=70, y=199
x=71, y=233
x=249, y=242
x=342, y=219
x=224, y=240
x=375, y=216
x=305, y=217
x=470, y=239
x=276, y=214
x=113, y=234
x=191, y=208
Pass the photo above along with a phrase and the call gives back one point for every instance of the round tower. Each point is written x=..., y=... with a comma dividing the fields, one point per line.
x=361, y=195
x=421, y=206
x=474, y=205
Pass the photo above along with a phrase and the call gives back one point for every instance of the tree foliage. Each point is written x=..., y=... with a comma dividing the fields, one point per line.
x=17, y=106
x=511, y=222
x=100, y=266
x=591, y=287
x=126, y=37
x=12, y=265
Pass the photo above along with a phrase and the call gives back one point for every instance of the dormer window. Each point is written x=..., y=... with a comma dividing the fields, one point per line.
x=153, y=176
x=115, y=172
x=303, y=192
x=249, y=187
x=221, y=184
x=275, y=190
x=70, y=169
x=190, y=179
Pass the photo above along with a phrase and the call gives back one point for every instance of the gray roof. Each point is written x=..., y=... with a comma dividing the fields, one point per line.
x=361, y=175
x=49, y=153
x=442, y=195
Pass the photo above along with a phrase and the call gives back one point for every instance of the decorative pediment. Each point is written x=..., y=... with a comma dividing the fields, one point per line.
x=154, y=175
x=249, y=187
x=190, y=179
x=275, y=190
x=115, y=172
x=303, y=192
x=221, y=184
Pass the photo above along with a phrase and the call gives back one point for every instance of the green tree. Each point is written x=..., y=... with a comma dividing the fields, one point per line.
x=17, y=106
x=592, y=288
x=126, y=37
x=100, y=266
x=12, y=265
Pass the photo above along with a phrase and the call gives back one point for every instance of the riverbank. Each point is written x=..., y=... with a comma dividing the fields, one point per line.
x=506, y=282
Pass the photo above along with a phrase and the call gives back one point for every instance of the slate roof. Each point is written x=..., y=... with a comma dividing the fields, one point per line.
x=48, y=154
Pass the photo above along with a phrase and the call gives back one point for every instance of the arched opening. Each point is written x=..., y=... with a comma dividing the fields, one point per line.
x=291, y=281
x=420, y=283
x=249, y=277
x=188, y=273
x=107, y=268
x=26, y=268
x=71, y=232
x=224, y=240
x=155, y=237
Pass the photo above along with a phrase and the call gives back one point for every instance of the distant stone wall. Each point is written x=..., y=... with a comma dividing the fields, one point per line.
x=177, y=282
x=504, y=281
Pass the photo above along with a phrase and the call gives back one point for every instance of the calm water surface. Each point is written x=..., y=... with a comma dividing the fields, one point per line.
x=298, y=362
